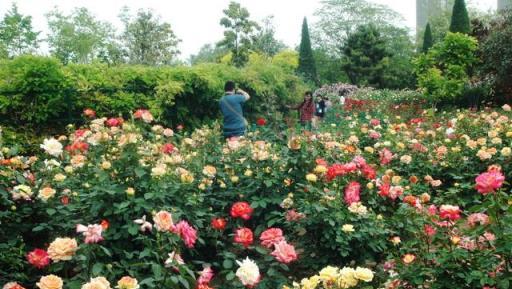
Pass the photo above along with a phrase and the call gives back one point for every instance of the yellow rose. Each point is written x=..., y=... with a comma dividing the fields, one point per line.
x=320, y=169
x=329, y=274
x=59, y=178
x=311, y=178
x=130, y=191
x=62, y=249
x=127, y=282
x=106, y=165
x=187, y=178
x=248, y=173
x=506, y=151
x=347, y=278
x=209, y=171
x=50, y=282
x=46, y=193
x=396, y=180
x=234, y=179
x=370, y=185
x=347, y=228
x=364, y=274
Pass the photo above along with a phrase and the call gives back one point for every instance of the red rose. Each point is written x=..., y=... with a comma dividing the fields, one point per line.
x=38, y=258
x=64, y=200
x=241, y=210
x=261, y=121
x=111, y=122
x=219, y=223
x=167, y=148
x=244, y=237
x=104, y=224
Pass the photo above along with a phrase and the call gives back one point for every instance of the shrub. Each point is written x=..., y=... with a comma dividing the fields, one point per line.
x=443, y=71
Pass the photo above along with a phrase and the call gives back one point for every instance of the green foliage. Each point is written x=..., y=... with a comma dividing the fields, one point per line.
x=238, y=33
x=307, y=66
x=33, y=90
x=428, y=42
x=77, y=37
x=337, y=19
x=265, y=40
x=40, y=94
x=16, y=33
x=287, y=59
x=496, y=57
x=208, y=53
x=148, y=40
x=443, y=71
x=365, y=57
x=460, y=19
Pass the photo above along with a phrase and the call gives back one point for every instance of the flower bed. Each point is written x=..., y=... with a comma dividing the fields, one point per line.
x=370, y=201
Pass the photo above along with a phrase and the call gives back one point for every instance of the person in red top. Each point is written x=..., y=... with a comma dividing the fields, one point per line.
x=306, y=110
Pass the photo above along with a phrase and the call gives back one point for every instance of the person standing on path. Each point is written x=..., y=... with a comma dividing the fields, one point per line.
x=306, y=110
x=232, y=110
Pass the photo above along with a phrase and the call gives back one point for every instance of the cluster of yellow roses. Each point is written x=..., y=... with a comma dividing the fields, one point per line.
x=335, y=278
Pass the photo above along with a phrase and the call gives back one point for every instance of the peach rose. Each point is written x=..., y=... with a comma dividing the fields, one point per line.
x=127, y=282
x=46, y=193
x=163, y=221
x=50, y=282
x=97, y=283
x=62, y=249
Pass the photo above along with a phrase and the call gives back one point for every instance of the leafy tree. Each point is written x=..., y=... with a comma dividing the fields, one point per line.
x=208, y=53
x=16, y=33
x=460, y=19
x=329, y=67
x=287, y=59
x=365, y=57
x=337, y=19
x=78, y=37
x=427, y=39
x=265, y=40
x=443, y=71
x=147, y=39
x=239, y=33
x=307, y=66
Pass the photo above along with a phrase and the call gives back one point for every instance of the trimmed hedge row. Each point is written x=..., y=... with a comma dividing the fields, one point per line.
x=41, y=95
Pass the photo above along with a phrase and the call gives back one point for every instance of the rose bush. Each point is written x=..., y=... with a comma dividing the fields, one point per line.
x=373, y=199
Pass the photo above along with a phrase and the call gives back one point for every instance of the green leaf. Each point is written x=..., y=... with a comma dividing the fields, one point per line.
x=97, y=269
x=139, y=172
x=227, y=264
x=51, y=211
x=230, y=276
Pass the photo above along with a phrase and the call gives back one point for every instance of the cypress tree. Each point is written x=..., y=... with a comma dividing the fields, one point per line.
x=460, y=19
x=428, y=42
x=307, y=67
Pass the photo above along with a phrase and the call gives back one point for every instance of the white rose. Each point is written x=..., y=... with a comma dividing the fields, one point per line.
x=52, y=147
x=248, y=273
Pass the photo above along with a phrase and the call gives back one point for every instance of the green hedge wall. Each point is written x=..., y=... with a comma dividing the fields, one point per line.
x=40, y=95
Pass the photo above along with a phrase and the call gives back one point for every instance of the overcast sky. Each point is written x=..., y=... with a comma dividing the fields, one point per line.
x=196, y=22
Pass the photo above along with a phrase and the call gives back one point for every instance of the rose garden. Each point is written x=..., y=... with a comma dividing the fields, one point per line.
x=118, y=176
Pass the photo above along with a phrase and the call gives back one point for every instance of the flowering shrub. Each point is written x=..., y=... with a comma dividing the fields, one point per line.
x=370, y=201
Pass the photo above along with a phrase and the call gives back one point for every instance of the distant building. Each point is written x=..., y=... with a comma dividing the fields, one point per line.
x=504, y=4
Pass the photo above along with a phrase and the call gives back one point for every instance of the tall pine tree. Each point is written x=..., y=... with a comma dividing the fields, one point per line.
x=307, y=66
x=460, y=19
x=428, y=42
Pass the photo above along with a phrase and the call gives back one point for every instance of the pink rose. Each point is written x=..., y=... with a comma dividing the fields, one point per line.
x=385, y=156
x=187, y=233
x=271, y=236
x=206, y=276
x=352, y=192
x=284, y=252
x=449, y=212
x=92, y=233
x=478, y=218
x=489, y=182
